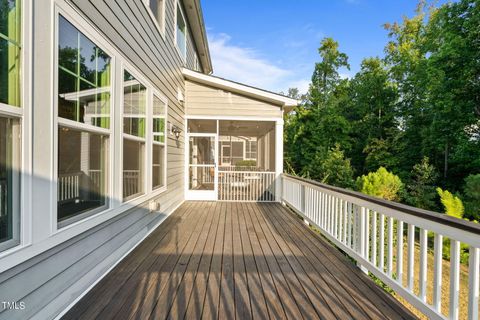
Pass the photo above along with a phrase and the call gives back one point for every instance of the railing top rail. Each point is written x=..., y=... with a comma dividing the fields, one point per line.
x=420, y=213
x=249, y=172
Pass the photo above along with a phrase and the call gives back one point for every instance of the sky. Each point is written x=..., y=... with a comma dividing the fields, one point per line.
x=273, y=44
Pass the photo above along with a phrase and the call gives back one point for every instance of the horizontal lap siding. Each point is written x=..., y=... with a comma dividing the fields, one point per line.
x=202, y=100
x=49, y=282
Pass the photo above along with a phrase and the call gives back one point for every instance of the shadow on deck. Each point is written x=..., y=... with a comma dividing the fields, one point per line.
x=226, y=260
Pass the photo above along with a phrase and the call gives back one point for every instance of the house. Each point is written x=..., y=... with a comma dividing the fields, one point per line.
x=111, y=124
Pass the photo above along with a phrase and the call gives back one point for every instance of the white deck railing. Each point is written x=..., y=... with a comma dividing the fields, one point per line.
x=246, y=186
x=363, y=227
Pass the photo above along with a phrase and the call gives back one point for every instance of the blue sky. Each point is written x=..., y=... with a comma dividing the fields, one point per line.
x=273, y=44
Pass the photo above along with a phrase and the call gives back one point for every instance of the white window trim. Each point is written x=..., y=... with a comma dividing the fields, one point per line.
x=160, y=26
x=93, y=35
x=164, y=99
x=184, y=57
x=22, y=215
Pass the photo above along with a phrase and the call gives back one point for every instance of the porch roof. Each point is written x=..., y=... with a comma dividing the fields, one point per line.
x=286, y=103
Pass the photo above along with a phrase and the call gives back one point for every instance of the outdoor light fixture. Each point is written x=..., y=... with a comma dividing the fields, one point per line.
x=176, y=131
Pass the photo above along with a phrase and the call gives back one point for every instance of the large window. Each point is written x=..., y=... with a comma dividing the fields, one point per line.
x=10, y=121
x=159, y=141
x=181, y=32
x=83, y=124
x=134, y=116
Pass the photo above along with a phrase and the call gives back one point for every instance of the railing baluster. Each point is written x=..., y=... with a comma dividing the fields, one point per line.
x=381, y=237
x=390, y=246
x=350, y=224
x=454, y=278
x=354, y=228
x=423, y=264
x=437, y=272
x=374, y=238
x=473, y=282
x=367, y=233
x=399, y=251
x=345, y=221
x=411, y=256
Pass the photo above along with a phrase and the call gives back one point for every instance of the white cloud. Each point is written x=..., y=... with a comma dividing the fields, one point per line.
x=246, y=65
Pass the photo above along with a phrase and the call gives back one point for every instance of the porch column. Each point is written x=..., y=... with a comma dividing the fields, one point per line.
x=278, y=159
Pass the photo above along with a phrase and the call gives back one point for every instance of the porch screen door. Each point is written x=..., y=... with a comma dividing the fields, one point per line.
x=202, y=170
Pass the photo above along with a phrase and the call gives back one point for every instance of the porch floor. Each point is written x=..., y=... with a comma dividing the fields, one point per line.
x=227, y=260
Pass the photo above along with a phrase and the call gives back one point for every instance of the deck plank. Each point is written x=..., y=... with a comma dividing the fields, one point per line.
x=256, y=292
x=227, y=260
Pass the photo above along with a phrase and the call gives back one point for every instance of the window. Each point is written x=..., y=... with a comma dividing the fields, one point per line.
x=83, y=125
x=158, y=148
x=10, y=123
x=9, y=181
x=251, y=150
x=157, y=11
x=10, y=56
x=181, y=33
x=134, y=117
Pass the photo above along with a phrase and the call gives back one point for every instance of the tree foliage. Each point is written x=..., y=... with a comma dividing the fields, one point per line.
x=472, y=197
x=381, y=184
x=421, y=100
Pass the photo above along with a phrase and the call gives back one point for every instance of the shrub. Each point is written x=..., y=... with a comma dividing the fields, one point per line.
x=453, y=205
x=382, y=184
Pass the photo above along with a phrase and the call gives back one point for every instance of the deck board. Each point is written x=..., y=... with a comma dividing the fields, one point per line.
x=233, y=260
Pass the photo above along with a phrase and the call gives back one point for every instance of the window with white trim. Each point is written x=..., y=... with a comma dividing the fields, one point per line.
x=11, y=113
x=181, y=32
x=157, y=11
x=134, y=122
x=83, y=102
x=159, y=143
x=251, y=149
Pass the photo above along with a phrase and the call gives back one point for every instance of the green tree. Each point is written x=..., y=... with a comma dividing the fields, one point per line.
x=421, y=189
x=453, y=205
x=332, y=168
x=471, y=193
x=382, y=184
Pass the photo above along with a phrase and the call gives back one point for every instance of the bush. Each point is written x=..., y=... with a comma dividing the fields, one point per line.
x=381, y=184
x=246, y=163
x=453, y=205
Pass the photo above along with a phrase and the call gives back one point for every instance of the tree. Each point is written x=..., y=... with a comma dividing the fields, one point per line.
x=382, y=184
x=471, y=193
x=371, y=110
x=421, y=189
x=326, y=76
x=453, y=205
x=332, y=168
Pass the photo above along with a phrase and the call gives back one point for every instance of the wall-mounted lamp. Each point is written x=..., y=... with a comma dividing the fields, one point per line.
x=176, y=131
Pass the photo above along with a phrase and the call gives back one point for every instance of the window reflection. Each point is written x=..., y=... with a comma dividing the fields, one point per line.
x=10, y=46
x=82, y=172
x=84, y=78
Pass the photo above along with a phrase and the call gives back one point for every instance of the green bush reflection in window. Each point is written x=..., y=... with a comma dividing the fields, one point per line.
x=10, y=23
x=83, y=78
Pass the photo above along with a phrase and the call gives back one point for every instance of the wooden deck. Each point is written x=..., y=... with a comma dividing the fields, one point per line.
x=227, y=260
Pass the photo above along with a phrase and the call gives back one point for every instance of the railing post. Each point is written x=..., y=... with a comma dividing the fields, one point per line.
x=278, y=159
